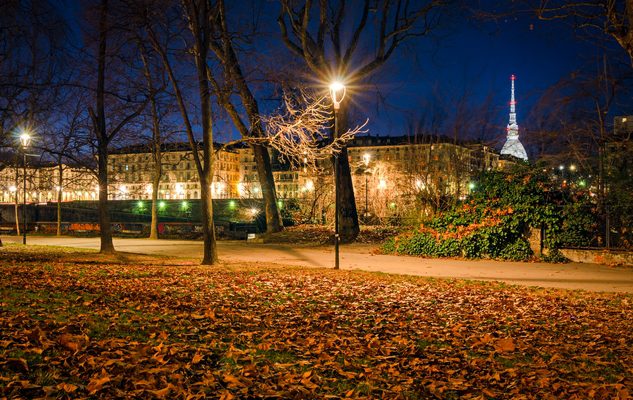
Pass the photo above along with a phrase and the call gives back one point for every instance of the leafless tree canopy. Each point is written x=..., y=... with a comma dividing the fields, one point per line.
x=300, y=133
x=611, y=17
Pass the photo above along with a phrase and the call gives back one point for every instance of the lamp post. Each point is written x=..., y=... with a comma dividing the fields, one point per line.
x=335, y=88
x=366, y=158
x=25, y=139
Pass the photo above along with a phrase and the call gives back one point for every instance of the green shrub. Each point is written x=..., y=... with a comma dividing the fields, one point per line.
x=494, y=220
x=519, y=250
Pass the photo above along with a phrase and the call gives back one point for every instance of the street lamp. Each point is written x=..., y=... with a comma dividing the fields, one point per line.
x=25, y=139
x=337, y=91
x=366, y=158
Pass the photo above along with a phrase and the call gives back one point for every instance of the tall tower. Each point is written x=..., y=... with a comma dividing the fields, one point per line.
x=513, y=146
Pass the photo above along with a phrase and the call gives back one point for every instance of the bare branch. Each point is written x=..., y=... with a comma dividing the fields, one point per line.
x=299, y=134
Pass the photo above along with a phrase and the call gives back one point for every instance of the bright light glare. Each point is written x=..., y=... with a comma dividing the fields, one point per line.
x=25, y=138
x=336, y=86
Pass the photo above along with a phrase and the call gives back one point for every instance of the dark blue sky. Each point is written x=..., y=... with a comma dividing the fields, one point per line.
x=475, y=62
x=464, y=60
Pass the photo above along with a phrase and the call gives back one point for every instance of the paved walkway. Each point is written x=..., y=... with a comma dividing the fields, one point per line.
x=592, y=277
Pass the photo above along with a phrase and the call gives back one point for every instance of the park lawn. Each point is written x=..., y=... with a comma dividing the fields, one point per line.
x=78, y=324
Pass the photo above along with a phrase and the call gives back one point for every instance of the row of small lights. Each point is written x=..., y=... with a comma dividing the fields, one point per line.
x=185, y=206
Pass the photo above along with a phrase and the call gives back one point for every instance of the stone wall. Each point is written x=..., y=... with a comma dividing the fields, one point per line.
x=599, y=256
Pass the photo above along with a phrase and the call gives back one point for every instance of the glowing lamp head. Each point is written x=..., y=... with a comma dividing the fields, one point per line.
x=25, y=138
x=336, y=86
x=337, y=91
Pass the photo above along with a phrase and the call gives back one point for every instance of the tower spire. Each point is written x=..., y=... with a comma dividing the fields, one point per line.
x=513, y=146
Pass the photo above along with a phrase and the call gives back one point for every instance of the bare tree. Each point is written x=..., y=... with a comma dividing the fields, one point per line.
x=197, y=14
x=224, y=49
x=608, y=17
x=31, y=61
x=157, y=139
x=315, y=31
x=104, y=129
x=65, y=145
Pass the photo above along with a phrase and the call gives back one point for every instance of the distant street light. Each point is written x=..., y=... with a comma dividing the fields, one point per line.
x=336, y=87
x=25, y=140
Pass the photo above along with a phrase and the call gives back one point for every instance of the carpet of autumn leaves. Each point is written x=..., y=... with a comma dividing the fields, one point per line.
x=77, y=324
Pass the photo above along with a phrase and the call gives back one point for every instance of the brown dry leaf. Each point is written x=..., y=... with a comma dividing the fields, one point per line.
x=232, y=381
x=67, y=387
x=28, y=385
x=96, y=384
x=226, y=395
x=161, y=393
x=73, y=342
x=505, y=345
x=197, y=358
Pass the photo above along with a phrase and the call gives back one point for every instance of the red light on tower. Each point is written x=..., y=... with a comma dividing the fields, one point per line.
x=513, y=77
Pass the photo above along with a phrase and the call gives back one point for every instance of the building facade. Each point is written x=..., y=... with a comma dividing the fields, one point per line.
x=45, y=183
x=390, y=176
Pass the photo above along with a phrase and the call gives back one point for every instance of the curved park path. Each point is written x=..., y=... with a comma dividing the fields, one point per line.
x=592, y=277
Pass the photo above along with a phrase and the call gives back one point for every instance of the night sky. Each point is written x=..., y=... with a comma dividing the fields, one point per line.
x=465, y=59
x=475, y=62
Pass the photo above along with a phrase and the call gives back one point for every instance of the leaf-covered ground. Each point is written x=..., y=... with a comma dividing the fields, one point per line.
x=80, y=325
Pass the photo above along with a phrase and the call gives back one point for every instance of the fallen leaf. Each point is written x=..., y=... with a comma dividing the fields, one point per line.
x=96, y=384
x=505, y=345
x=67, y=387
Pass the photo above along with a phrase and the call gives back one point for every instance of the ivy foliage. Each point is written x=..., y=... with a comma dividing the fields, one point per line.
x=494, y=221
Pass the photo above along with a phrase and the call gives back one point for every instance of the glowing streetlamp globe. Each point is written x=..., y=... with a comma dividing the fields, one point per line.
x=25, y=139
x=335, y=88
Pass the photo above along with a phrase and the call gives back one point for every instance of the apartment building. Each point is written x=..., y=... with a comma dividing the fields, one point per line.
x=400, y=166
x=130, y=172
x=45, y=183
x=384, y=169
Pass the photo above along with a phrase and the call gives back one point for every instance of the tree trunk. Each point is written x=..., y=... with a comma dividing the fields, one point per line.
x=267, y=183
x=102, y=136
x=348, y=215
x=156, y=143
x=210, y=256
x=60, y=192
x=17, y=213
x=104, y=212
x=200, y=29
x=153, y=230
